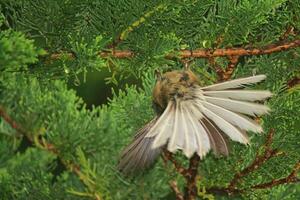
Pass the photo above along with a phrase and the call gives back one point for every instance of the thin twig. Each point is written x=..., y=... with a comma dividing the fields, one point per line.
x=232, y=63
x=289, y=31
x=257, y=162
x=174, y=186
x=291, y=178
x=293, y=82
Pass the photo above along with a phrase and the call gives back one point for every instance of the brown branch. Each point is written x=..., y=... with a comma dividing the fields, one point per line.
x=293, y=82
x=198, y=53
x=10, y=121
x=19, y=129
x=291, y=178
x=289, y=31
x=49, y=147
x=232, y=54
x=233, y=61
x=168, y=156
x=240, y=51
x=218, y=69
x=190, y=175
x=224, y=75
x=257, y=162
x=176, y=190
x=191, y=178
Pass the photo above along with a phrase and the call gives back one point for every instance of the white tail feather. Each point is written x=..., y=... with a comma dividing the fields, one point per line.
x=198, y=132
x=235, y=83
x=193, y=126
x=165, y=132
x=155, y=129
x=246, y=95
x=181, y=132
x=225, y=126
x=233, y=118
x=172, y=145
x=248, y=108
x=189, y=146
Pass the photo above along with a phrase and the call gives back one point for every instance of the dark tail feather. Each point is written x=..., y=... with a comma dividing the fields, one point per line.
x=139, y=154
x=217, y=140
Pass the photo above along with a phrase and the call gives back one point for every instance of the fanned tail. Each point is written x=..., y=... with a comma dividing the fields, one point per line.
x=199, y=124
x=228, y=109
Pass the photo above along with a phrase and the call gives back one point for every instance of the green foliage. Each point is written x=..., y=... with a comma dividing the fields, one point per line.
x=12, y=44
x=29, y=175
x=35, y=94
x=87, y=55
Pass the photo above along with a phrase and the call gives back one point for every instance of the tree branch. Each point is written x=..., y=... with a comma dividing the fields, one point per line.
x=190, y=175
x=10, y=121
x=232, y=63
x=198, y=53
x=258, y=162
x=291, y=178
x=289, y=31
x=168, y=156
x=218, y=69
x=201, y=53
x=293, y=82
x=191, y=178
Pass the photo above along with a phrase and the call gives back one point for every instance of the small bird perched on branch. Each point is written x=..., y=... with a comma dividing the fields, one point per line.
x=195, y=119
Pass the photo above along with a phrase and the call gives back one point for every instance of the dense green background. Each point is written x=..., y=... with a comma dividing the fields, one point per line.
x=36, y=92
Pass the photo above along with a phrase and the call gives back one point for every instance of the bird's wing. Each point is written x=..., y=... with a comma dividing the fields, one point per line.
x=139, y=154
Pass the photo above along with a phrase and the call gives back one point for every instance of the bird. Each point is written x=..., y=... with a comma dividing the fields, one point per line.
x=195, y=119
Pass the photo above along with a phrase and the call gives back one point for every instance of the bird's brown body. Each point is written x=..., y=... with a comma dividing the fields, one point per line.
x=174, y=84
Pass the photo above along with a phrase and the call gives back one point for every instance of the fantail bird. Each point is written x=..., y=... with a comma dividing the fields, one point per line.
x=195, y=119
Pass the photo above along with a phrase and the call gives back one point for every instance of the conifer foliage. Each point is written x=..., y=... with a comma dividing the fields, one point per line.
x=53, y=147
